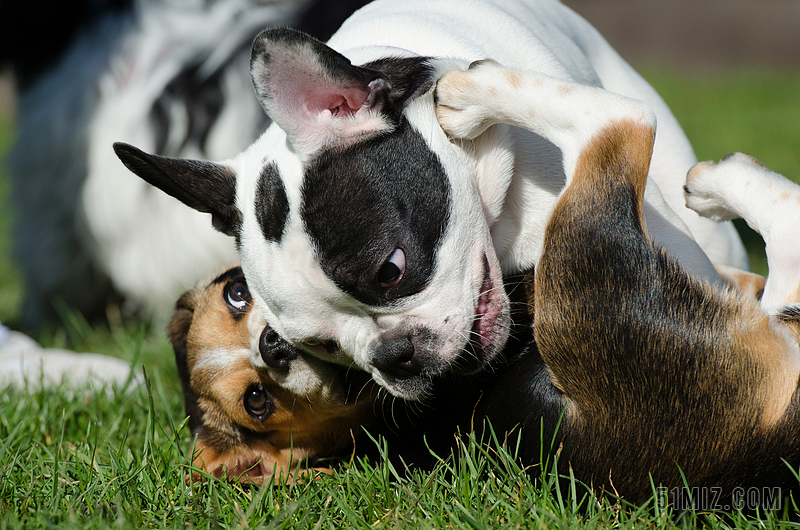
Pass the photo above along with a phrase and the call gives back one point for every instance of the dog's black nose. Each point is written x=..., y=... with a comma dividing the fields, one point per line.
x=276, y=352
x=395, y=357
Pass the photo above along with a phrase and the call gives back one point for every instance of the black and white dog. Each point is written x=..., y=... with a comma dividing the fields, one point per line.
x=367, y=234
x=170, y=75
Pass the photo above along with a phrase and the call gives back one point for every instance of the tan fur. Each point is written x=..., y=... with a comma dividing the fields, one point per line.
x=624, y=147
x=770, y=345
x=513, y=79
x=621, y=152
x=748, y=283
x=230, y=442
x=745, y=352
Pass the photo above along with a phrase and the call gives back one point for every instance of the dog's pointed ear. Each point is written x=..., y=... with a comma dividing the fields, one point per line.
x=314, y=93
x=205, y=186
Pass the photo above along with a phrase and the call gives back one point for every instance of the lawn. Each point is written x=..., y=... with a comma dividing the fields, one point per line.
x=118, y=459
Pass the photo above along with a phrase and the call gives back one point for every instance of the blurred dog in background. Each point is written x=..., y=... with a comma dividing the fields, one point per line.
x=169, y=75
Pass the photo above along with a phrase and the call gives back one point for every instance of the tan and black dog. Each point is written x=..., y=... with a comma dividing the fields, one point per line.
x=662, y=379
x=257, y=406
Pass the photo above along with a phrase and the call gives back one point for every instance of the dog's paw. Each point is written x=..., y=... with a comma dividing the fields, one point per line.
x=714, y=190
x=464, y=99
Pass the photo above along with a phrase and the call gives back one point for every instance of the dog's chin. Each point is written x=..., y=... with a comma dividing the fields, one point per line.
x=412, y=388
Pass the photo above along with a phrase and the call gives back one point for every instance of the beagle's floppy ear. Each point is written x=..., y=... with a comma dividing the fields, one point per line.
x=178, y=332
x=205, y=186
x=314, y=93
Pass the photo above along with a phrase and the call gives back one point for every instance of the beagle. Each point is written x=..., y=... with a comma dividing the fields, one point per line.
x=258, y=407
x=656, y=376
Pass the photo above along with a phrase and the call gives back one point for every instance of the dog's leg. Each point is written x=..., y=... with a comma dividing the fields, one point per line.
x=748, y=283
x=568, y=114
x=740, y=186
x=597, y=255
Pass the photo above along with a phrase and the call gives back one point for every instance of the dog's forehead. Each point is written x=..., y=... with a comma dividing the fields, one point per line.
x=359, y=205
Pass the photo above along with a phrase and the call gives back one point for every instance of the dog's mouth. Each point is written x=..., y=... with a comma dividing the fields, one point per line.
x=488, y=332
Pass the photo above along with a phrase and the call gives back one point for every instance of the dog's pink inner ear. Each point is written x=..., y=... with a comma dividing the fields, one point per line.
x=338, y=103
x=315, y=94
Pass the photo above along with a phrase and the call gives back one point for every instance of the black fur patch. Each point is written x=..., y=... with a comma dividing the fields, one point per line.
x=409, y=77
x=361, y=204
x=272, y=205
x=230, y=274
x=790, y=315
x=202, y=98
x=389, y=192
x=204, y=186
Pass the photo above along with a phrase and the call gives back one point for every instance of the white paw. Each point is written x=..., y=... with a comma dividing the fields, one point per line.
x=464, y=99
x=712, y=189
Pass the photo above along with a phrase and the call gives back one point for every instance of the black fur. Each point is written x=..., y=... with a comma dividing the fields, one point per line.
x=390, y=192
x=228, y=275
x=409, y=77
x=272, y=205
x=202, y=97
x=204, y=186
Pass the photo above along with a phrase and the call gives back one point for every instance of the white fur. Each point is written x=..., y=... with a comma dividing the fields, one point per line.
x=305, y=306
x=81, y=217
x=740, y=186
x=536, y=102
x=149, y=264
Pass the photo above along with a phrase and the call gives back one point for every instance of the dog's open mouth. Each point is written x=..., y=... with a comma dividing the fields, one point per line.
x=487, y=329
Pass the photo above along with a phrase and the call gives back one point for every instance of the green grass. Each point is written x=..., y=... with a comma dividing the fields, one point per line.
x=10, y=282
x=118, y=460
x=755, y=112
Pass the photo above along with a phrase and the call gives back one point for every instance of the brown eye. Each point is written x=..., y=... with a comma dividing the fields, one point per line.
x=257, y=403
x=237, y=296
x=391, y=272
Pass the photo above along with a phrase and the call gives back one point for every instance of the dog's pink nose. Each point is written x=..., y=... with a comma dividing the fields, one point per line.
x=395, y=358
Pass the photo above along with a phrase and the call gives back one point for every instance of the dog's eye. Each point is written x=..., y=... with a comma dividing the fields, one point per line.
x=256, y=402
x=237, y=295
x=391, y=272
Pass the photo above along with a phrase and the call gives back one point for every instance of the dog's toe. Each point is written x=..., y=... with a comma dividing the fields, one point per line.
x=463, y=100
x=704, y=192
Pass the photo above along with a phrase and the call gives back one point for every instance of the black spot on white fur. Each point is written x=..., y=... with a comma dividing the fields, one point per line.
x=360, y=204
x=389, y=192
x=272, y=205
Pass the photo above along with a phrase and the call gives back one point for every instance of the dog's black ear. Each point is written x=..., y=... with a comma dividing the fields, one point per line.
x=205, y=186
x=314, y=93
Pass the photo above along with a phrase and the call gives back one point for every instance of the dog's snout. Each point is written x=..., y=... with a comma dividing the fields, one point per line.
x=395, y=357
x=276, y=352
